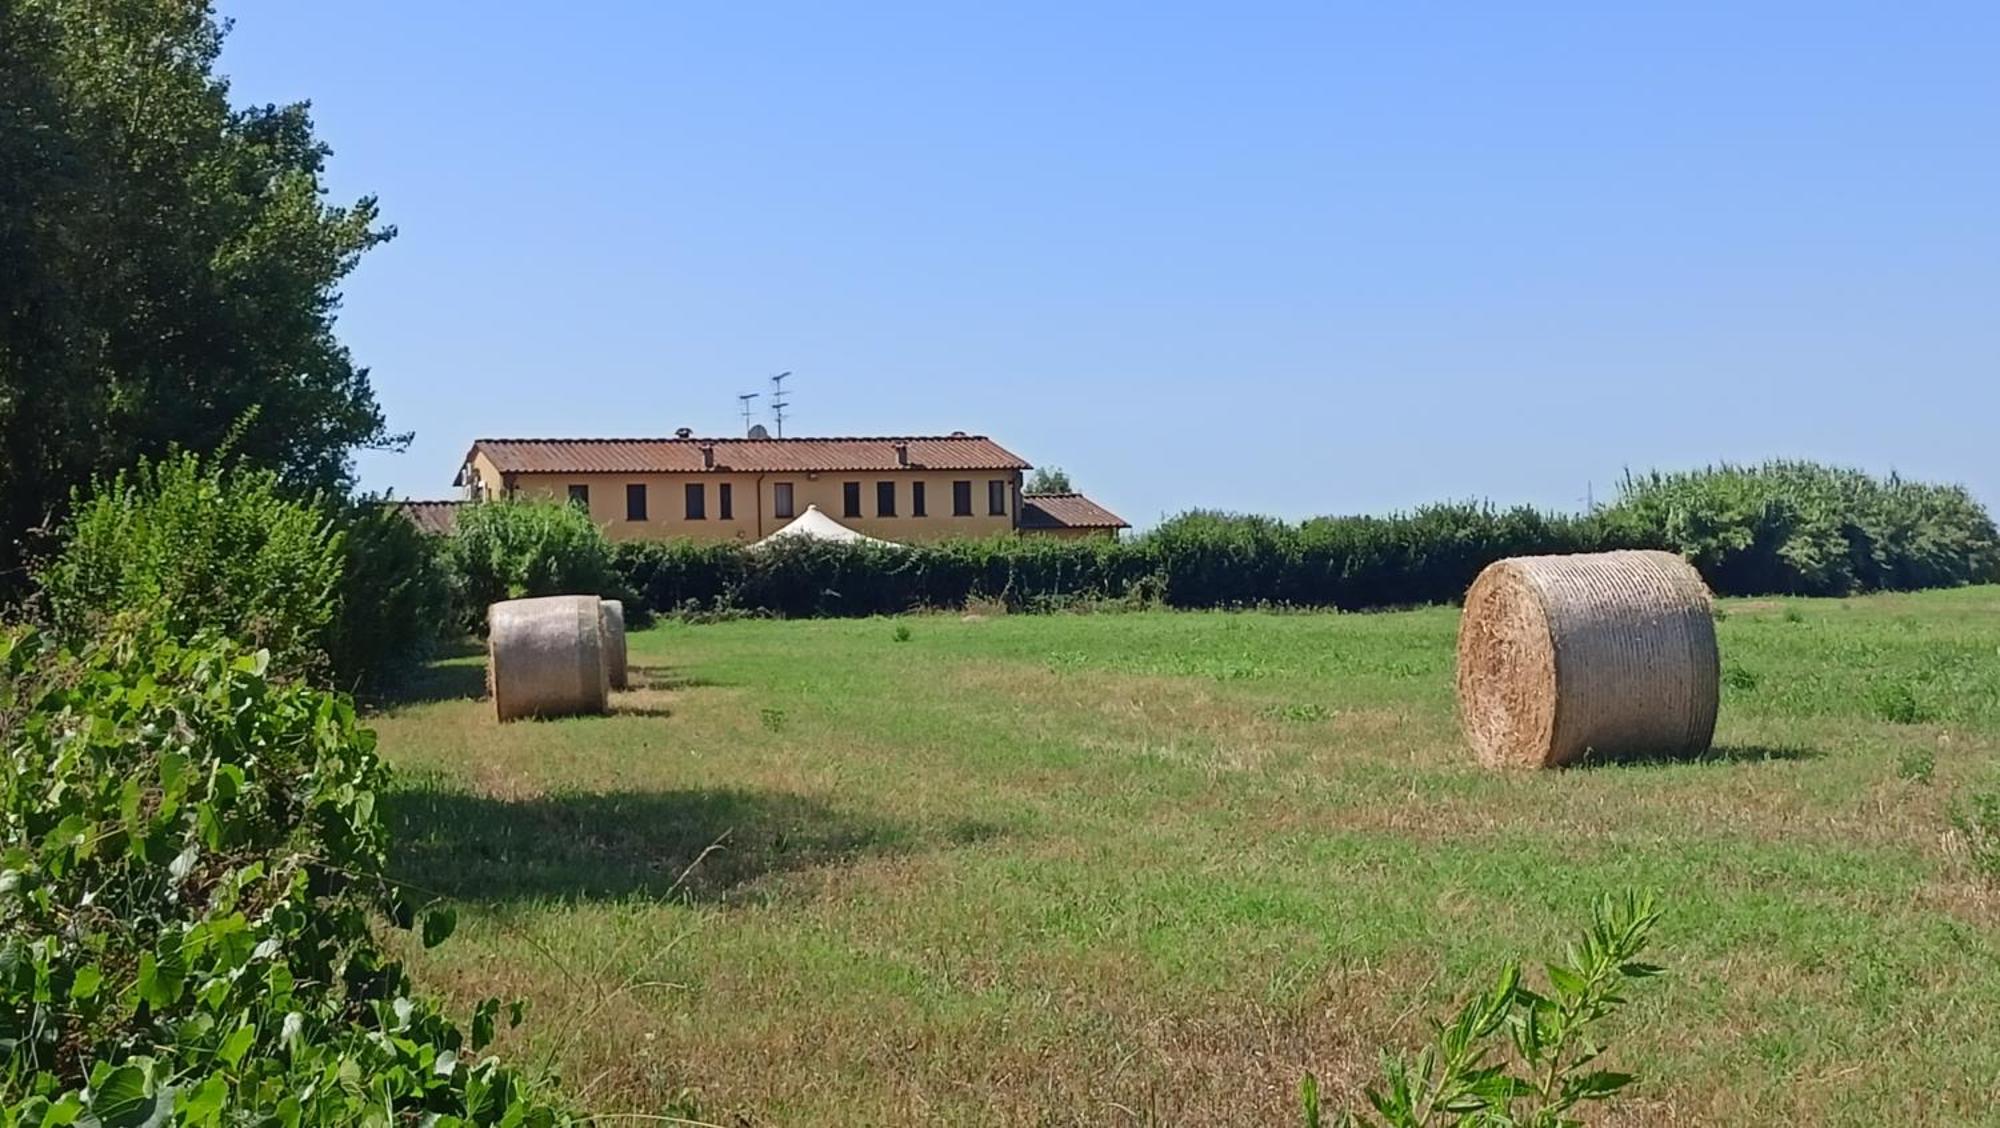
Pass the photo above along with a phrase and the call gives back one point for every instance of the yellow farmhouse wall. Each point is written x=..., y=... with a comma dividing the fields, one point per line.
x=754, y=502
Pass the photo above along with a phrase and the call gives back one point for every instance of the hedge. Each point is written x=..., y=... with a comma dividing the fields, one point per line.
x=1783, y=527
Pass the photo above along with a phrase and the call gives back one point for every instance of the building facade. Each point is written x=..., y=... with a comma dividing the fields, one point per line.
x=908, y=489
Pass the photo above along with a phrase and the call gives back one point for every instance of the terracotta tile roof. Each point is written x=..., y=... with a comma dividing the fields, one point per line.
x=439, y=518
x=753, y=456
x=1066, y=511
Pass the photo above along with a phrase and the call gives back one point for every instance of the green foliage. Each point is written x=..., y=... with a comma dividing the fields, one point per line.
x=190, y=861
x=1743, y=528
x=171, y=262
x=1804, y=529
x=349, y=595
x=516, y=549
x=901, y=633
x=1897, y=703
x=1979, y=825
x=201, y=548
x=1467, y=1077
x=1048, y=479
x=395, y=596
x=1916, y=765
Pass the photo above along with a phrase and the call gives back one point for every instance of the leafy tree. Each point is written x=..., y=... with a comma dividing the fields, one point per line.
x=1048, y=479
x=169, y=265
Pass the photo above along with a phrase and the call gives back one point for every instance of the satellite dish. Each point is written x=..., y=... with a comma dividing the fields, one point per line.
x=757, y=431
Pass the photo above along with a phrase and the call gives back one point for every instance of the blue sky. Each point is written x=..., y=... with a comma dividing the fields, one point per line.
x=1286, y=258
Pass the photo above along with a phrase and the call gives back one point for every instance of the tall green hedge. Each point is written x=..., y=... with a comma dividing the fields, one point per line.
x=1784, y=527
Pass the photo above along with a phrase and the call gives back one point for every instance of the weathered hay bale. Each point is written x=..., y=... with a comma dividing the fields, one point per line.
x=545, y=657
x=613, y=612
x=1609, y=653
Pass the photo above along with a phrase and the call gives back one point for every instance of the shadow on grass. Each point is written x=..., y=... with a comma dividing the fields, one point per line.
x=623, y=844
x=436, y=681
x=1719, y=754
x=666, y=677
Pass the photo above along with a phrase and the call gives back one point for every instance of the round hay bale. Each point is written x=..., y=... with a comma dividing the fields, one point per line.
x=613, y=612
x=1610, y=654
x=545, y=657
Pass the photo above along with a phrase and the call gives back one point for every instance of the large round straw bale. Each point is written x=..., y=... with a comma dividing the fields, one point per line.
x=1609, y=654
x=545, y=657
x=613, y=612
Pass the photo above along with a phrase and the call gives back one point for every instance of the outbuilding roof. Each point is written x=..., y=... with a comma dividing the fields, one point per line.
x=439, y=518
x=1066, y=511
x=752, y=456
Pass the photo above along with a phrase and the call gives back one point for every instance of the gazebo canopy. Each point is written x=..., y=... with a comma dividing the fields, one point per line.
x=815, y=525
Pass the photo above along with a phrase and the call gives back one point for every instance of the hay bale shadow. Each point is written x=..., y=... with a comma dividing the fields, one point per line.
x=1718, y=754
x=434, y=682
x=666, y=677
x=650, y=844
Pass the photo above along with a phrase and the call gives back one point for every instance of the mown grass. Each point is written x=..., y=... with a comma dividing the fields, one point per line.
x=1150, y=868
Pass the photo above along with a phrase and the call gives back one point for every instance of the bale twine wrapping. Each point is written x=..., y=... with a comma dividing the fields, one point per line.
x=613, y=626
x=545, y=657
x=1609, y=653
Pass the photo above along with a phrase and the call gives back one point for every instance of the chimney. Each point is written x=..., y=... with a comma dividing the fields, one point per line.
x=708, y=456
x=902, y=454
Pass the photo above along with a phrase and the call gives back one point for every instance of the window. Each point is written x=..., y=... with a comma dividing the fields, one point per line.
x=961, y=499
x=885, y=499
x=916, y=499
x=580, y=495
x=697, y=501
x=635, y=501
x=781, y=500
x=996, y=499
x=850, y=499
x=724, y=503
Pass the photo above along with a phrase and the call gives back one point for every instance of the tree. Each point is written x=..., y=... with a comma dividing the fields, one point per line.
x=169, y=266
x=1048, y=479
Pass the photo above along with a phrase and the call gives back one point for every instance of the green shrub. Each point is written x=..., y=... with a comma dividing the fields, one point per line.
x=197, y=548
x=395, y=596
x=1467, y=1076
x=516, y=549
x=1784, y=528
x=190, y=861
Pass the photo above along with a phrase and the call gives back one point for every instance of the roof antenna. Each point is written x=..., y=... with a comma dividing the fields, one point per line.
x=745, y=398
x=778, y=402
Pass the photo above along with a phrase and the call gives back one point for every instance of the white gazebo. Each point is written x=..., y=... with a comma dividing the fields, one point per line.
x=815, y=525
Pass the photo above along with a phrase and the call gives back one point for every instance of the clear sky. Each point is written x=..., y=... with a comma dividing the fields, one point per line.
x=1292, y=258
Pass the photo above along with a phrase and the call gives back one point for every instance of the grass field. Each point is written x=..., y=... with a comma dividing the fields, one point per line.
x=1151, y=868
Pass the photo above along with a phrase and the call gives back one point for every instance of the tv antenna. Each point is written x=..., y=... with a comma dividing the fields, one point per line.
x=745, y=398
x=778, y=402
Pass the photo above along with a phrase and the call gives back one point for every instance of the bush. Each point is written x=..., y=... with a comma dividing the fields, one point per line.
x=201, y=548
x=395, y=596
x=190, y=859
x=517, y=549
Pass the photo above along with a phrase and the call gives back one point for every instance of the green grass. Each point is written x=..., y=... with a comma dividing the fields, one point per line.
x=1151, y=868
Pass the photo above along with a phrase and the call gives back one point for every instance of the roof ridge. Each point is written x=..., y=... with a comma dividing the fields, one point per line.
x=1051, y=493
x=745, y=439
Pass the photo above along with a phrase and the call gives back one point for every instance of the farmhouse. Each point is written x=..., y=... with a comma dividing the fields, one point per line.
x=908, y=488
